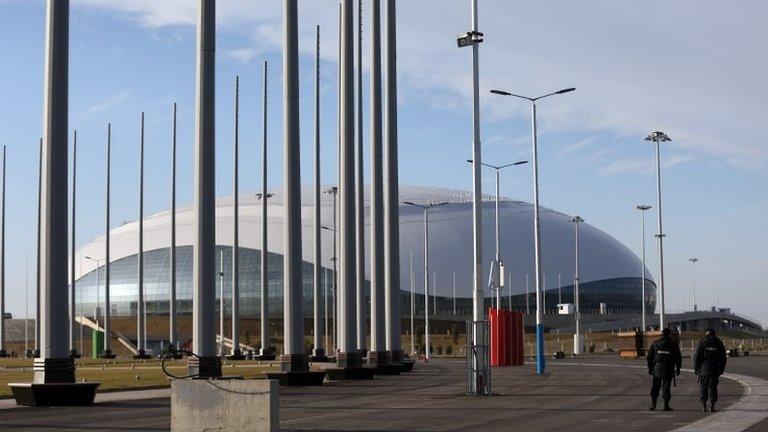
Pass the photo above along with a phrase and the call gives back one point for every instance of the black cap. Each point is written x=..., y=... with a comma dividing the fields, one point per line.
x=666, y=332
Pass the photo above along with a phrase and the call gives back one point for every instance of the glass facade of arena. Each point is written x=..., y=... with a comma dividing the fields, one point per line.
x=621, y=295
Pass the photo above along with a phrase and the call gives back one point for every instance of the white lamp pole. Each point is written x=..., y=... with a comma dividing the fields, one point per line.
x=658, y=137
x=643, y=208
x=577, y=338
x=540, y=365
x=693, y=281
x=426, y=209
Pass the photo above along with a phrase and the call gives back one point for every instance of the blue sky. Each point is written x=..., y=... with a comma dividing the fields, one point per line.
x=691, y=68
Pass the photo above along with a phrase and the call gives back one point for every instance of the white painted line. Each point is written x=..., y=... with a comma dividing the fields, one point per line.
x=750, y=409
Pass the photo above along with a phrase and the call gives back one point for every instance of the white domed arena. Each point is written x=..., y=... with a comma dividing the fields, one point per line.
x=609, y=272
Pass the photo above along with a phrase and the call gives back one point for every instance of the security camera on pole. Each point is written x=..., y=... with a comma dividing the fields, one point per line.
x=479, y=377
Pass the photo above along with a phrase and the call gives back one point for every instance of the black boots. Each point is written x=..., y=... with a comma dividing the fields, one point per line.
x=703, y=407
x=712, y=407
x=653, y=405
x=667, y=407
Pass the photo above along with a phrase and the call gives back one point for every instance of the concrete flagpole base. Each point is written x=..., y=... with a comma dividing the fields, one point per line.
x=318, y=356
x=54, y=385
x=383, y=364
x=204, y=367
x=350, y=367
x=295, y=372
x=236, y=355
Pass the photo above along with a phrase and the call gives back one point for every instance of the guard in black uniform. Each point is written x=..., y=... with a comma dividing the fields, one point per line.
x=664, y=362
x=709, y=363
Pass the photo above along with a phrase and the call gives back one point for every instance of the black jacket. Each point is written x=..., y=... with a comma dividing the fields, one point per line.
x=710, y=358
x=664, y=359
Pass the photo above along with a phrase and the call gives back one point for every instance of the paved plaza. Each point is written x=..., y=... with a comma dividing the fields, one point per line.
x=588, y=394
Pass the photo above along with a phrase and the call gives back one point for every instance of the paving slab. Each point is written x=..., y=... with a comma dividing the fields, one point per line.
x=591, y=393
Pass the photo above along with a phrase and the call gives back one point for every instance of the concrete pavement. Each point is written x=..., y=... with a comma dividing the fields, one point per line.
x=605, y=396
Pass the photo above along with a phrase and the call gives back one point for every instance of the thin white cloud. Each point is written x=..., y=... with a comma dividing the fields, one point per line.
x=676, y=74
x=111, y=102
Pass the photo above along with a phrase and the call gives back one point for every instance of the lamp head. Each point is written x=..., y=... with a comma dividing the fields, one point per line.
x=565, y=90
x=643, y=207
x=658, y=136
x=500, y=92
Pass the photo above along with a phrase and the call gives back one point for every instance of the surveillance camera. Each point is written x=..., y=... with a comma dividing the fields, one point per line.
x=464, y=40
x=469, y=38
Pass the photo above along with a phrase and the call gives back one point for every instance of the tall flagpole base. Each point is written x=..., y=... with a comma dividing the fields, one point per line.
x=54, y=385
x=295, y=372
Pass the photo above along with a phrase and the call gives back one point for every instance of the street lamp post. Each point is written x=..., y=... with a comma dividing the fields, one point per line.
x=693, y=281
x=497, y=281
x=540, y=365
x=426, y=208
x=334, y=192
x=578, y=340
x=335, y=283
x=643, y=208
x=96, y=308
x=658, y=137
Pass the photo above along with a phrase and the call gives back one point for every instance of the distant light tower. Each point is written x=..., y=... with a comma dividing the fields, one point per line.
x=658, y=138
x=540, y=365
x=497, y=277
x=578, y=340
x=643, y=208
x=426, y=208
x=693, y=281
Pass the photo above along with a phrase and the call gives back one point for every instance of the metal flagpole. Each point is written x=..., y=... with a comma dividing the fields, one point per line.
x=391, y=194
x=293, y=358
x=318, y=353
x=349, y=356
x=208, y=365
x=140, y=316
x=107, y=313
x=265, y=353
x=172, y=303
x=236, y=354
x=378, y=307
x=38, y=265
x=359, y=194
x=72, y=351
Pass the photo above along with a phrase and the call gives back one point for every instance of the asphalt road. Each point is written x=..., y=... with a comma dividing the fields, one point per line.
x=600, y=394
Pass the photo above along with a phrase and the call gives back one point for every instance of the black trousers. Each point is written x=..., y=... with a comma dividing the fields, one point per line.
x=662, y=385
x=708, y=387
